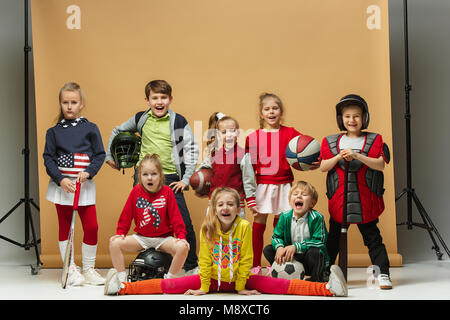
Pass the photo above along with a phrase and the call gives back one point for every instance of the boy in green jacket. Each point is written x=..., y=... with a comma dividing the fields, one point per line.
x=301, y=233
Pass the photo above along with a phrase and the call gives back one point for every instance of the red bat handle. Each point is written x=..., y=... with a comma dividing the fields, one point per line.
x=77, y=196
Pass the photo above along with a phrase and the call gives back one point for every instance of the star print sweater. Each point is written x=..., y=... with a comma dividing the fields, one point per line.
x=72, y=146
x=155, y=215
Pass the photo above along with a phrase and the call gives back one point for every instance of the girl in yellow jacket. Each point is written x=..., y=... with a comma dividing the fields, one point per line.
x=225, y=259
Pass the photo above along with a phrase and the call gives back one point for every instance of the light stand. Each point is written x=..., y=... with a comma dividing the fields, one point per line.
x=409, y=190
x=27, y=201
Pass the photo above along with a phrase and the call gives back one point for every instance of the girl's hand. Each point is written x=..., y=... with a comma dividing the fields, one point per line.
x=67, y=185
x=83, y=176
x=314, y=165
x=248, y=292
x=198, y=292
x=254, y=210
x=117, y=236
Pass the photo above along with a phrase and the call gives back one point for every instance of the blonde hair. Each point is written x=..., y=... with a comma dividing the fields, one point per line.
x=73, y=87
x=209, y=225
x=152, y=158
x=303, y=185
x=265, y=96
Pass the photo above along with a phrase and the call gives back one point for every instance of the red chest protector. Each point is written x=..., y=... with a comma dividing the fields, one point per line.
x=365, y=185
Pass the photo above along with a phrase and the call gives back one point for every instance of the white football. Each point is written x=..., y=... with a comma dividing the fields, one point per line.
x=289, y=270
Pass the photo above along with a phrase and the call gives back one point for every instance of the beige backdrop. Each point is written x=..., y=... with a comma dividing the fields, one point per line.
x=218, y=56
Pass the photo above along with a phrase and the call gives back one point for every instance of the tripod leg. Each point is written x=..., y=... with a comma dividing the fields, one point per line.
x=401, y=194
x=343, y=253
x=35, y=205
x=34, y=269
x=430, y=227
x=12, y=210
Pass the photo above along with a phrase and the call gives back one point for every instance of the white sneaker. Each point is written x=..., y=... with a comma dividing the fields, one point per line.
x=75, y=278
x=93, y=277
x=112, y=283
x=384, y=281
x=336, y=283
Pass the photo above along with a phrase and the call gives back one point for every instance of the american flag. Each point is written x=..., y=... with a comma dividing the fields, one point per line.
x=142, y=203
x=70, y=164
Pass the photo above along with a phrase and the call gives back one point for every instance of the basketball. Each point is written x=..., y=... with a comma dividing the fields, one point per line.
x=302, y=151
x=201, y=181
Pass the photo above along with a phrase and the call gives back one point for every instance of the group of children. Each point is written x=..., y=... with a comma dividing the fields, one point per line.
x=259, y=175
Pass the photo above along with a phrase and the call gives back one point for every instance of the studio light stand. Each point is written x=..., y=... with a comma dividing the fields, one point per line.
x=409, y=190
x=27, y=201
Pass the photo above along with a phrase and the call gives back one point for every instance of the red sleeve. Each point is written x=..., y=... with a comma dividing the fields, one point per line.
x=294, y=133
x=325, y=152
x=377, y=148
x=176, y=220
x=124, y=223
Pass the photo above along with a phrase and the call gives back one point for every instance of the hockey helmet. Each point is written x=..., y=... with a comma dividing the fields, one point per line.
x=353, y=100
x=149, y=264
x=125, y=149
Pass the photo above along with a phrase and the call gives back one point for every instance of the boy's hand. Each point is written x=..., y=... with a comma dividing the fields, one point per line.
x=177, y=186
x=280, y=255
x=112, y=164
x=348, y=154
x=289, y=252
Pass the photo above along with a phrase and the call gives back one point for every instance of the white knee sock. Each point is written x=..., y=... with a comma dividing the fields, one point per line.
x=62, y=250
x=88, y=255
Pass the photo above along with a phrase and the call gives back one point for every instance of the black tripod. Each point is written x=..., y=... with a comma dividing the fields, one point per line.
x=409, y=191
x=27, y=201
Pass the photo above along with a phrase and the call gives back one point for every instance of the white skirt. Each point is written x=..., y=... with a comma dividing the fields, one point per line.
x=57, y=195
x=272, y=198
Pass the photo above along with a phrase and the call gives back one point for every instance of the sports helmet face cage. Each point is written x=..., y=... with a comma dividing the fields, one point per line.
x=149, y=264
x=125, y=150
x=355, y=100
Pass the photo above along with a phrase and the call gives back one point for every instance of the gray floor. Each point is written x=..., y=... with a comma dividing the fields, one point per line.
x=425, y=280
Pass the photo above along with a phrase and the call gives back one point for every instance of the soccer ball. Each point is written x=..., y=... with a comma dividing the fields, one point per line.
x=289, y=270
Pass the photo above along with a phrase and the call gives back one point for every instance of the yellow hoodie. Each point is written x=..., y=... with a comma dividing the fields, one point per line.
x=235, y=264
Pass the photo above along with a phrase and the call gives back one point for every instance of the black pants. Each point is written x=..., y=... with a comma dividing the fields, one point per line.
x=313, y=260
x=372, y=240
x=191, y=260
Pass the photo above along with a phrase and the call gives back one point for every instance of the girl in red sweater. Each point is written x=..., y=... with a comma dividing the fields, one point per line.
x=267, y=150
x=158, y=222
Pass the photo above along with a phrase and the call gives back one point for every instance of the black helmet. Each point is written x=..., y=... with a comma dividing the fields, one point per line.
x=354, y=100
x=149, y=264
x=125, y=149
